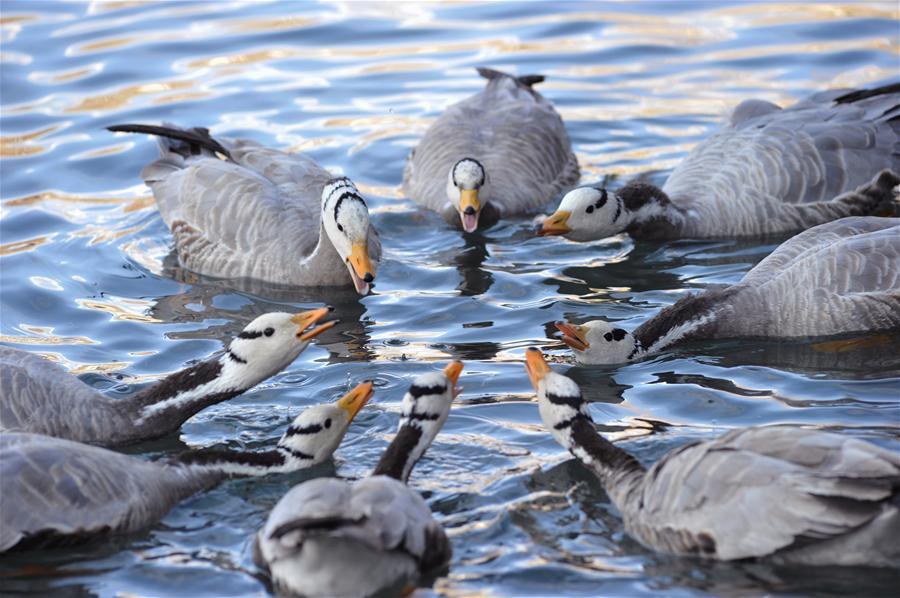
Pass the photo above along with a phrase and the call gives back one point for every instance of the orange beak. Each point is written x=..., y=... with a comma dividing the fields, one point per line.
x=360, y=263
x=573, y=335
x=556, y=224
x=536, y=366
x=452, y=371
x=469, y=209
x=354, y=400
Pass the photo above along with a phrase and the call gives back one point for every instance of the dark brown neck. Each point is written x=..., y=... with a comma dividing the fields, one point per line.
x=653, y=215
x=618, y=471
x=700, y=308
x=400, y=456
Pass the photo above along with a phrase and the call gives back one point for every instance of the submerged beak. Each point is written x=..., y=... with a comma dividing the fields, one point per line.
x=361, y=270
x=535, y=365
x=452, y=372
x=354, y=400
x=469, y=209
x=305, y=319
x=573, y=335
x=556, y=223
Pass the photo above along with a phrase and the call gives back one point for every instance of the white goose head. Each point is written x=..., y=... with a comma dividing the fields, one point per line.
x=315, y=434
x=587, y=213
x=466, y=184
x=345, y=218
x=598, y=342
x=559, y=399
x=268, y=344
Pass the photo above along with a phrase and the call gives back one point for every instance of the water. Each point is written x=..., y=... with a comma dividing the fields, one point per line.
x=87, y=279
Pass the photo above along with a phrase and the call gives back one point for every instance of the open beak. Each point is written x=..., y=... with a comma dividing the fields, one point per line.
x=556, y=224
x=535, y=365
x=573, y=336
x=305, y=319
x=469, y=209
x=354, y=400
x=361, y=270
x=452, y=372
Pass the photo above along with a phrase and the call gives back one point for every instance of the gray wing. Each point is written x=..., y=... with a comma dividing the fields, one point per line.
x=379, y=512
x=758, y=491
x=842, y=276
x=766, y=158
x=37, y=395
x=59, y=490
x=254, y=217
x=513, y=131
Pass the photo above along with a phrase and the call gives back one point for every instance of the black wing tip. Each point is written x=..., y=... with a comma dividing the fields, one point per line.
x=863, y=94
x=195, y=137
x=525, y=80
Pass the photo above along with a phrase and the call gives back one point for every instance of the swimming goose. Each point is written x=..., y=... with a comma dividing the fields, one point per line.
x=785, y=493
x=240, y=210
x=769, y=170
x=501, y=152
x=329, y=537
x=39, y=396
x=57, y=491
x=838, y=277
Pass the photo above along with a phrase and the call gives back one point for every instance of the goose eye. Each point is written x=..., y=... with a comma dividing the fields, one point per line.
x=608, y=336
x=589, y=209
x=269, y=331
x=328, y=423
x=340, y=228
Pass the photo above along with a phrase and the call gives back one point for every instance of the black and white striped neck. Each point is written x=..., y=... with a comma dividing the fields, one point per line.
x=651, y=213
x=247, y=463
x=691, y=317
x=618, y=471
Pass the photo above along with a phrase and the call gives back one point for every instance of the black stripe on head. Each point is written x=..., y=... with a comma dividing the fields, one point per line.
x=250, y=334
x=310, y=429
x=602, y=201
x=618, y=208
x=347, y=195
x=295, y=453
x=417, y=391
x=422, y=416
x=566, y=423
x=235, y=358
x=575, y=402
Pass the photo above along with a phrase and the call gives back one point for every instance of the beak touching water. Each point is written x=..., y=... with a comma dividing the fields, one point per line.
x=360, y=267
x=354, y=400
x=452, y=372
x=469, y=209
x=556, y=224
x=305, y=319
x=573, y=335
x=535, y=365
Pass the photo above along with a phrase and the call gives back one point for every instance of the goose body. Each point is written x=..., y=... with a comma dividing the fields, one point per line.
x=502, y=152
x=40, y=397
x=240, y=210
x=57, y=491
x=839, y=277
x=768, y=170
x=329, y=537
x=784, y=493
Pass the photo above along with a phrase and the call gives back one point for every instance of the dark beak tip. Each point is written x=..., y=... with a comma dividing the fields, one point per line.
x=329, y=307
x=469, y=211
x=368, y=277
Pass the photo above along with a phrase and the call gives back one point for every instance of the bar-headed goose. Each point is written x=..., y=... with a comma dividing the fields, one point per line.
x=329, y=537
x=786, y=493
x=56, y=491
x=839, y=277
x=240, y=210
x=501, y=152
x=39, y=396
x=767, y=171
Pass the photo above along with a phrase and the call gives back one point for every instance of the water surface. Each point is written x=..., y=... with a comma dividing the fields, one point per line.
x=88, y=278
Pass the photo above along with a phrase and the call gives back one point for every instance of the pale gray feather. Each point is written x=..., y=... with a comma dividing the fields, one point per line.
x=784, y=492
x=256, y=216
x=517, y=136
x=776, y=170
x=369, y=533
x=56, y=490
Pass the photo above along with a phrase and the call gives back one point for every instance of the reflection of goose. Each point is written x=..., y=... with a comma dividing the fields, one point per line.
x=327, y=537
x=59, y=491
x=768, y=171
x=792, y=494
x=839, y=277
x=501, y=152
x=39, y=396
x=241, y=210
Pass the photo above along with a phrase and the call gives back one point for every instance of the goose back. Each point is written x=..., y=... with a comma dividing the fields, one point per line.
x=513, y=131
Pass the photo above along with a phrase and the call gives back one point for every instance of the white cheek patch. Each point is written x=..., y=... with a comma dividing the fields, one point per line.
x=352, y=217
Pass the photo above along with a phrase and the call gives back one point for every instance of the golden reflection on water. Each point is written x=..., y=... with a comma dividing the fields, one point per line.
x=25, y=245
x=121, y=308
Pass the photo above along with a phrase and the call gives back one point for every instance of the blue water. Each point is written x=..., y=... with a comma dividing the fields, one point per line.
x=88, y=279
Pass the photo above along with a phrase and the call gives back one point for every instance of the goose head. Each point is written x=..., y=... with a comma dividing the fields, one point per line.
x=318, y=431
x=269, y=344
x=559, y=399
x=598, y=342
x=345, y=219
x=466, y=184
x=586, y=214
